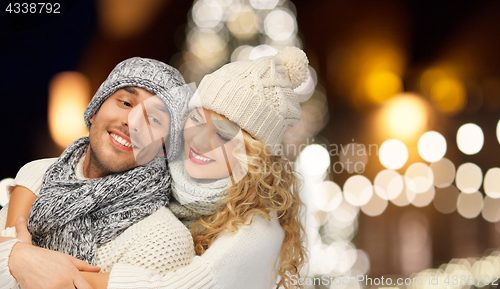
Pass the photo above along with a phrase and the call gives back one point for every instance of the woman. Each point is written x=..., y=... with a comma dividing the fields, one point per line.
x=253, y=234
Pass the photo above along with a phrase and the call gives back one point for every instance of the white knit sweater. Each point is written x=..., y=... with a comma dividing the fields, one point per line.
x=154, y=253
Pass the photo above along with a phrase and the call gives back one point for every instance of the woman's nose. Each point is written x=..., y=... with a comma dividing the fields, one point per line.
x=202, y=139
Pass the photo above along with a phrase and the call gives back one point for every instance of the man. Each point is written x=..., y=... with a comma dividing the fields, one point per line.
x=96, y=189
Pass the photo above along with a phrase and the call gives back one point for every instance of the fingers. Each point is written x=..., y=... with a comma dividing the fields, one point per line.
x=83, y=266
x=80, y=282
x=22, y=230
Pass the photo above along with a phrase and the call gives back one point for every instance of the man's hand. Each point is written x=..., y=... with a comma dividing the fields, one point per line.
x=35, y=267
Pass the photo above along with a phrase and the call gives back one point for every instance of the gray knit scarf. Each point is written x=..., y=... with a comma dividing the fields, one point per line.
x=194, y=199
x=74, y=216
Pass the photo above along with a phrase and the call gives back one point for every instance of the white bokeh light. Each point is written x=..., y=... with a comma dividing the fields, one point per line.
x=358, y=190
x=470, y=205
x=425, y=198
x=498, y=131
x=444, y=173
x=375, y=207
x=492, y=183
x=469, y=178
x=470, y=138
x=393, y=154
x=328, y=196
x=432, y=146
x=262, y=51
x=314, y=160
x=207, y=13
x=491, y=209
x=264, y=4
x=419, y=178
x=388, y=184
x=280, y=25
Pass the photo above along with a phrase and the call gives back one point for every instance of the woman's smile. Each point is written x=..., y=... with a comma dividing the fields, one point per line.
x=199, y=158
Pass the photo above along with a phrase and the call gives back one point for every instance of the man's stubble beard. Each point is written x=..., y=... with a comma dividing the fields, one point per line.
x=104, y=165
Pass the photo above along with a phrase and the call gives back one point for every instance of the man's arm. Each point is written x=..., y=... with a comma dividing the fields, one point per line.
x=35, y=267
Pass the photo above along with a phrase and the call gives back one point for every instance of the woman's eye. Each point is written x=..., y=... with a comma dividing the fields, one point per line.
x=223, y=138
x=193, y=118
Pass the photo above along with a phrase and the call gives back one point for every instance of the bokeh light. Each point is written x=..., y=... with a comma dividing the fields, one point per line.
x=241, y=53
x=432, y=146
x=264, y=4
x=498, y=131
x=375, y=206
x=393, y=154
x=280, y=25
x=314, y=160
x=448, y=95
x=444, y=173
x=382, y=85
x=425, y=198
x=69, y=94
x=207, y=13
x=470, y=138
x=403, y=199
x=445, y=200
x=419, y=178
x=209, y=47
x=492, y=183
x=470, y=205
x=405, y=116
x=491, y=209
x=358, y=190
x=306, y=89
x=243, y=23
x=469, y=178
x=262, y=51
x=4, y=197
x=328, y=196
x=388, y=184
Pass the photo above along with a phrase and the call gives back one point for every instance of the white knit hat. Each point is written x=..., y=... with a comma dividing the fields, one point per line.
x=258, y=94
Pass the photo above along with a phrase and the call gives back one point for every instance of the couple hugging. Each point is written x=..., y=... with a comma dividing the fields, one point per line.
x=170, y=189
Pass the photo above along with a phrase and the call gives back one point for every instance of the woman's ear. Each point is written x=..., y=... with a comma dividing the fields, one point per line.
x=92, y=119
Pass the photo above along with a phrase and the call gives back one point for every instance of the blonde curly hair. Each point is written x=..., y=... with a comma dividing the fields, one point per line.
x=269, y=187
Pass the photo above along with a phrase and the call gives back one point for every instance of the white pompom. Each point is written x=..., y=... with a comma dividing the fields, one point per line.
x=296, y=63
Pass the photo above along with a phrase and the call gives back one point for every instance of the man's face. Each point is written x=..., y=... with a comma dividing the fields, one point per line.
x=111, y=148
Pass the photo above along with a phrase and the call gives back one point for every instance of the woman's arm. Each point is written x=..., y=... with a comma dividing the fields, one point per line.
x=96, y=280
x=244, y=259
x=20, y=203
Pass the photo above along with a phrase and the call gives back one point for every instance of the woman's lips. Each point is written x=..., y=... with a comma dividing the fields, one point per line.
x=198, y=158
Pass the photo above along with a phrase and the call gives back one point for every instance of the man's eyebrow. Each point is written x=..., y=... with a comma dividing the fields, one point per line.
x=130, y=90
x=162, y=108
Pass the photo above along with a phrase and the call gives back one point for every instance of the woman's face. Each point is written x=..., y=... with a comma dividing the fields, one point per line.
x=208, y=146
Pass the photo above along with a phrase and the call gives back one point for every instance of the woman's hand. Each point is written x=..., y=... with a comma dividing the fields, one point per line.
x=35, y=267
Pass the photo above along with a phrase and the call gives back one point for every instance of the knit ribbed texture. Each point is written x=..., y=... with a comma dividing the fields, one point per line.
x=156, y=77
x=257, y=95
x=6, y=280
x=25, y=179
x=198, y=275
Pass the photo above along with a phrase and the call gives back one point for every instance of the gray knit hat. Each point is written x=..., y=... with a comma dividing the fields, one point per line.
x=154, y=76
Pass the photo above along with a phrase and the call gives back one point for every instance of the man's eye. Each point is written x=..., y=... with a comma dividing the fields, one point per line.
x=125, y=103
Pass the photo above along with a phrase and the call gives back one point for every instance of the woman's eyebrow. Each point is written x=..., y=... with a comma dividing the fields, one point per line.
x=161, y=108
x=199, y=113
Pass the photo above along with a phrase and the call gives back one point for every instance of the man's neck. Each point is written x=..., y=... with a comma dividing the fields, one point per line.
x=90, y=168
